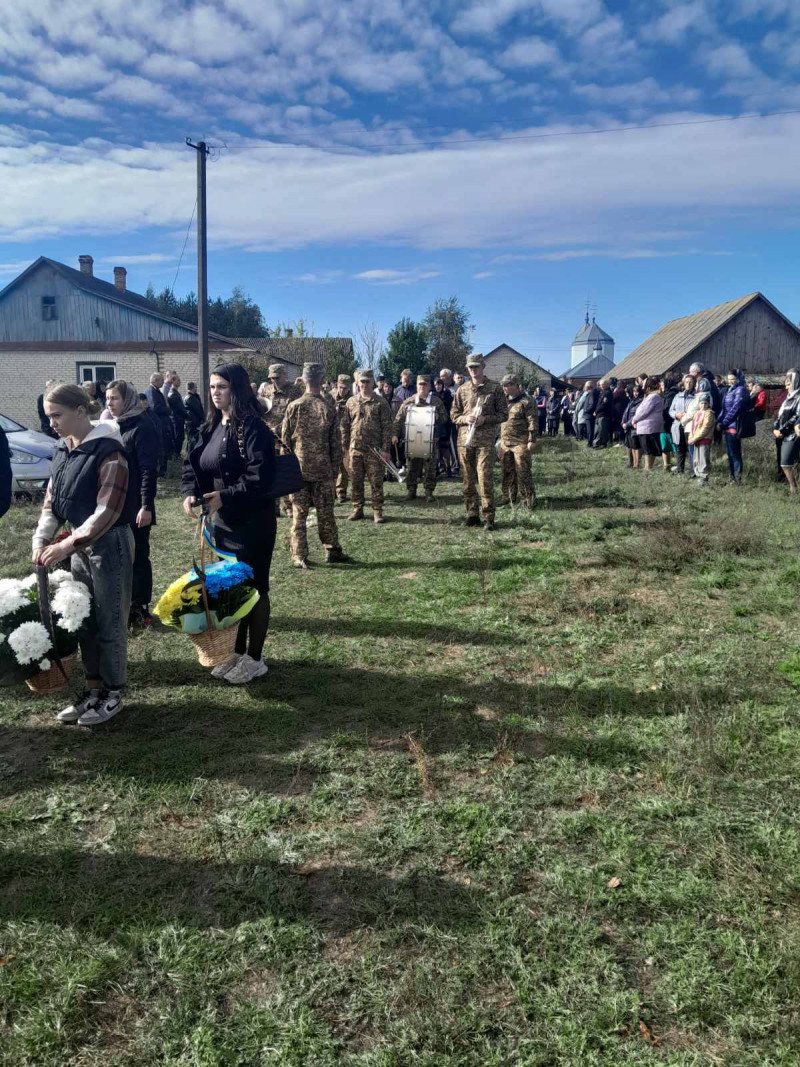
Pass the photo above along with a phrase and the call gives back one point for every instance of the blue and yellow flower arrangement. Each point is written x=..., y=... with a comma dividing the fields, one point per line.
x=230, y=597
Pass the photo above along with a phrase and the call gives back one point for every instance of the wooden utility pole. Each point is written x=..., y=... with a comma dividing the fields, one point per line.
x=202, y=263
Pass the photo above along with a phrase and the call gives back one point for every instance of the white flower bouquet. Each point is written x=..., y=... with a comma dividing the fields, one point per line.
x=28, y=645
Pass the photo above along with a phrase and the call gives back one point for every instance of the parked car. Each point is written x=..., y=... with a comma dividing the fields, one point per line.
x=31, y=453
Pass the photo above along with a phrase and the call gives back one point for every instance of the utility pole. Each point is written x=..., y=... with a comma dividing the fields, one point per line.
x=202, y=150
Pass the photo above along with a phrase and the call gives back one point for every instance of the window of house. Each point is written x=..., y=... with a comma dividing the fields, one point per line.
x=96, y=372
x=48, y=308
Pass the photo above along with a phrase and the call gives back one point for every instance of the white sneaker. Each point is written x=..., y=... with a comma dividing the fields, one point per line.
x=246, y=670
x=109, y=705
x=88, y=700
x=226, y=665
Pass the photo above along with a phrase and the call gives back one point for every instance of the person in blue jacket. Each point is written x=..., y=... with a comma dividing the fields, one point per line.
x=734, y=405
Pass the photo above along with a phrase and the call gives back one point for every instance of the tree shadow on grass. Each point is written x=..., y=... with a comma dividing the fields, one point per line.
x=257, y=736
x=442, y=634
x=105, y=892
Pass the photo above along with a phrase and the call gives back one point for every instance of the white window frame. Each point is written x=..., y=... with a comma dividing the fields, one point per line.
x=87, y=372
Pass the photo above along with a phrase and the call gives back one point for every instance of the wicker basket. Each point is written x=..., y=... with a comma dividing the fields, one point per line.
x=51, y=680
x=214, y=646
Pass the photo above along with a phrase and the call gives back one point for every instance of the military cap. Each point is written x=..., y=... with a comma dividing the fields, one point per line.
x=423, y=378
x=475, y=360
x=509, y=379
x=313, y=373
x=275, y=370
x=364, y=376
x=343, y=379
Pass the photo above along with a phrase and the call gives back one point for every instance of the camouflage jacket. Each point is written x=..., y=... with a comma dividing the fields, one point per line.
x=522, y=423
x=279, y=399
x=311, y=428
x=414, y=401
x=494, y=410
x=366, y=424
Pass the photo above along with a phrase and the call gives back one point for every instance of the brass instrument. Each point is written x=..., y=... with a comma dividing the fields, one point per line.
x=477, y=412
x=398, y=472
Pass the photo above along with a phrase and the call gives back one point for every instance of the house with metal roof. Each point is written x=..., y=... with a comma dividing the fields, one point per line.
x=293, y=351
x=748, y=334
x=68, y=325
x=504, y=360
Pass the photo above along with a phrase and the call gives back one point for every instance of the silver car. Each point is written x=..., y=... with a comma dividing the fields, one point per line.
x=31, y=453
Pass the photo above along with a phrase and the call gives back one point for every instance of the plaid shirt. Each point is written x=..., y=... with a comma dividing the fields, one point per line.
x=112, y=490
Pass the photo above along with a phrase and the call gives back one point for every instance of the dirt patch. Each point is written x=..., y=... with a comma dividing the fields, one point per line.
x=258, y=985
x=408, y=576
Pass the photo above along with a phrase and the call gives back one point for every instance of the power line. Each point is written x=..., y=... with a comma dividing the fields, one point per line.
x=563, y=133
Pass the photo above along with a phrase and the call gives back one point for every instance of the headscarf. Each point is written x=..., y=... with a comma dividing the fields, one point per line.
x=132, y=405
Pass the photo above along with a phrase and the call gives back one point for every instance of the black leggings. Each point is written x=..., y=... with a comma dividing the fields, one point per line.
x=254, y=545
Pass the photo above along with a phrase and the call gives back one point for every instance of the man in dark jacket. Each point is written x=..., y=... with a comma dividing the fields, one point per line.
x=590, y=410
x=177, y=414
x=158, y=408
x=5, y=474
x=602, y=415
x=195, y=416
x=44, y=422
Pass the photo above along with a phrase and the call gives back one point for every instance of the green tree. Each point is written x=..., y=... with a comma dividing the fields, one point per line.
x=406, y=346
x=237, y=316
x=446, y=326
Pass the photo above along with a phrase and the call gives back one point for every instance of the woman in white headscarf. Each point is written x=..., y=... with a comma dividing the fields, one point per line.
x=142, y=446
x=786, y=429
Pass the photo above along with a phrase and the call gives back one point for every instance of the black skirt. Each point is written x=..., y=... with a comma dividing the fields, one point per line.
x=650, y=444
x=252, y=542
x=789, y=450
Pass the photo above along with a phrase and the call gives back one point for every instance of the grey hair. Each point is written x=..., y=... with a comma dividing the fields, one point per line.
x=700, y=367
x=155, y=375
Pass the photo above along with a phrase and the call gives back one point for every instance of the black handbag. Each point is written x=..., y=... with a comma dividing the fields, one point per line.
x=288, y=477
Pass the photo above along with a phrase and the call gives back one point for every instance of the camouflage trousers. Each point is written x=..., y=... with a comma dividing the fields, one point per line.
x=317, y=495
x=517, y=477
x=342, y=482
x=421, y=470
x=366, y=464
x=477, y=468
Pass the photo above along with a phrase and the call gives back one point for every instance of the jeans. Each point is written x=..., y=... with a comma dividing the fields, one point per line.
x=106, y=568
x=733, y=446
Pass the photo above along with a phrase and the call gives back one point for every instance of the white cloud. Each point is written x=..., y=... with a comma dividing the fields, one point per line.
x=646, y=92
x=132, y=89
x=486, y=16
x=149, y=257
x=607, y=253
x=320, y=277
x=70, y=72
x=530, y=52
x=673, y=25
x=730, y=61
x=482, y=274
x=397, y=277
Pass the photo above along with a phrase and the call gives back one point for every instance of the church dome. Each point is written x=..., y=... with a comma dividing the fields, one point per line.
x=591, y=333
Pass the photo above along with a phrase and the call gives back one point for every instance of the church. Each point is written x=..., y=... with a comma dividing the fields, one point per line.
x=592, y=354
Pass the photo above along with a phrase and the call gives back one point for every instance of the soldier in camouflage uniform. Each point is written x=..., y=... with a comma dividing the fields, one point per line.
x=517, y=436
x=477, y=461
x=341, y=395
x=311, y=428
x=279, y=393
x=366, y=424
x=421, y=468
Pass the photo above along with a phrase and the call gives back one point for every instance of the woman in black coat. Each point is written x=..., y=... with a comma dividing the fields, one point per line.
x=143, y=447
x=231, y=472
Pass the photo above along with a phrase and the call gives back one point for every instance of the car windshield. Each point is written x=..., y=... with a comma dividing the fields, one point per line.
x=9, y=425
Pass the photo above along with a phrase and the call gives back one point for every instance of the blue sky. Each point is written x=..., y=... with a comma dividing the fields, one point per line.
x=376, y=154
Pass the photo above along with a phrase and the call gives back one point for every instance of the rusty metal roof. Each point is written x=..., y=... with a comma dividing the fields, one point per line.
x=680, y=337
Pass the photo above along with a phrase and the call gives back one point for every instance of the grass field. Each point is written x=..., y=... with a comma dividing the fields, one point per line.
x=522, y=798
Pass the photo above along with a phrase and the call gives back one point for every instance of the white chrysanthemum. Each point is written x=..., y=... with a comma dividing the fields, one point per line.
x=45, y=664
x=29, y=642
x=12, y=596
x=29, y=582
x=72, y=604
x=59, y=576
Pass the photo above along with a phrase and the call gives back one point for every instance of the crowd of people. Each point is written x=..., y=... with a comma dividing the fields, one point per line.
x=343, y=435
x=677, y=420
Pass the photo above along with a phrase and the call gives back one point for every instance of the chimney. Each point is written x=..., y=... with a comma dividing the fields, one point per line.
x=119, y=278
x=86, y=264
x=289, y=332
